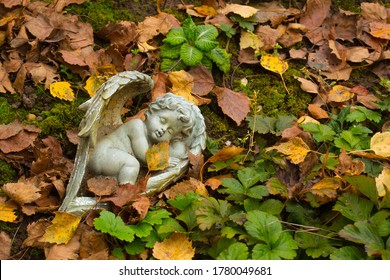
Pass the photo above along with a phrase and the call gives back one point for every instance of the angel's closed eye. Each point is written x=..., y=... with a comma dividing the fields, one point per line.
x=163, y=120
x=170, y=130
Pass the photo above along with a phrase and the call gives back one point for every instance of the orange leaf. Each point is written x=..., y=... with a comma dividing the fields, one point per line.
x=340, y=94
x=273, y=63
x=216, y=181
x=380, y=30
x=206, y=10
x=176, y=247
x=62, y=90
x=226, y=153
x=157, y=156
x=63, y=227
x=22, y=192
x=326, y=187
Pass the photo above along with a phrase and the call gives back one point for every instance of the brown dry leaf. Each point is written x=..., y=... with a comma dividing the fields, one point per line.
x=250, y=40
x=315, y=12
x=383, y=182
x=101, y=186
x=67, y=251
x=72, y=135
x=93, y=245
x=176, y=247
x=24, y=191
x=242, y=10
x=35, y=231
x=357, y=54
x=196, y=163
x=7, y=210
x=327, y=187
x=160, y=85
x=182, y=84
x=62, y=229
x=373, y=11
x=5, y=248
x=340, y=94
x=317, y=112
x=226, y=153
x=157, y=156
x=295, y=148
x=234, y=104
x=5, y=83
x=142, y=206
x=380, y=144
x=269, y=36
x=380, y=30
x=42, y=72
x=216, y=181
x=40, y=26
x=183, y=187
x=155, y=25
x=307, y=85
x=364, y=97
x=203, y=81
x=121, y=34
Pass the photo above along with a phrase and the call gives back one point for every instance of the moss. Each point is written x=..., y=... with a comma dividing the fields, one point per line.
x=99, y=13
x=60, y=118
x=272, y=97
x=7, y=113
x=7, y=172
x=348, y=5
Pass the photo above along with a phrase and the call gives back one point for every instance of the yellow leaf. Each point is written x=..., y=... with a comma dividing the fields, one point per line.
x=7, y=209
x=176, y=247
x=63, y=227
x=242, y=10
x=250, y=40
x=206, y=10
x=62, y=90
x=383, y=182
x=339, y=94
x=307, y=119
x=295, y=148
x=157, y=156
x=92, y=84
x=182, y=84
x=273, y=63
x=380, y=144
x=226, y=153
x=326, y=187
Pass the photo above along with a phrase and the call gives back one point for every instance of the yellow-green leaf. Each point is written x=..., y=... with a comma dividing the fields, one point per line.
x=92, y=84
x=273, y=63
x=383, y=182
x=176, y=247
x=7, y=211
x=62, y=90
x=295, y=148
x=380, y=144
x=326, y=187
x=157, y=156
x=63, y=227
x=340, y=94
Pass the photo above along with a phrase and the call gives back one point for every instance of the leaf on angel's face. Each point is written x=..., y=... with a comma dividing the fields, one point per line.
x=176, y=247
x=7, y=211
x=157, y=156
x=327, y=187
x=62, y=90
x=383, y=182
x=380, y=143
x=273, y=63
x=339, y=94
x=63, y=227
x=295, y=148
x=107, y=222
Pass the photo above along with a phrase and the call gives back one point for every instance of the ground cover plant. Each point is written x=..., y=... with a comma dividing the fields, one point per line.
x=297, y=111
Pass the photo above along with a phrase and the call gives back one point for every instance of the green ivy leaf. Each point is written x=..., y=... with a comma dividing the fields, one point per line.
x=348, y=253
x=190, y=55
x=364, y=232
x=221, y=58
x=107, y=222
x=320, y=132
x=236, y=251
x=175, y=36
x=353, y=207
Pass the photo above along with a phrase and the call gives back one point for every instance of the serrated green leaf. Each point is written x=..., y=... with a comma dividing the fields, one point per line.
x=135, y=247
x=315, y=245
x=206, y=32
x=175, y=36
x=230, y=232
x=360, y=114
x=151, y=239
x=364, y=232
x=141, y=229
x=211, y=211
x=248, y=177
x=107, y=222
x=205, y=45
x=156, y=217
x=320, y=132
x=230, y=32
x=257, y=192
x=183, y=201
x=365, y=184
x=187, y=216
x=264, y=124
x=169, y=225
x=353, y=207
x=236, y=251
x=263, y=226
x=275, y=186
x=172, y=64
x=272, y=206
x=169, y=51
x=190, y=55
x=348, y=253
x=221, y=58
x=380, y=219
x=221, y=245
x=284, y=248
x=189, y=28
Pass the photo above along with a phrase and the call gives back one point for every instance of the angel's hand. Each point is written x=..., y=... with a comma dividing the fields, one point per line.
x=173, y=162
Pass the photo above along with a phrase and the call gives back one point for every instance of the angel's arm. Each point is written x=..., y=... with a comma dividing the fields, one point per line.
x=138, y=139
x=178, y=150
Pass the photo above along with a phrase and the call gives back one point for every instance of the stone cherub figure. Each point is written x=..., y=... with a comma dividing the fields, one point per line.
x=108, y=147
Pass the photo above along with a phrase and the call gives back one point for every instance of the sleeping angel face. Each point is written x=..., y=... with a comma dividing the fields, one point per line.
x=163, y=125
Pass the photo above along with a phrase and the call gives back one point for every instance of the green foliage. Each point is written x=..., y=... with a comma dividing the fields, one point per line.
x=191, y=45
x=7, y=172
x=275, y=125
x=107, y=222
x=7, y=114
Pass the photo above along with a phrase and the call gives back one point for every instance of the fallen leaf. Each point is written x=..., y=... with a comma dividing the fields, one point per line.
x=62, y=90
x=340, y=94
x=234, y=104
x=142, y=206
x=183, y=187
x=24, y=191
x=7, y=210
x=101, y=186
x=93, y=245
x=206, y=10
x=307, y=85
x=203, y=81
x=5, y=83
x=182, y=84
x=226, y=154
x=380, y=30
x=242, y=10
x=5, y=248
x=380, y=143
x=373, y=11
x=250, y=40
x=317, y=112
x=157, y=156
x=273, y=63
x=176, y=247
x=216, y=181
x=161, y=81
x=315, y=12
x=62, y=229
x=295, y=148
x=383, y=182
x=154, y=25
x=327, y=187
x=67, y=251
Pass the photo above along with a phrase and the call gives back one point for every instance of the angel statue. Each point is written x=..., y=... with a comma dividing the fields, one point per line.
x=108, y=147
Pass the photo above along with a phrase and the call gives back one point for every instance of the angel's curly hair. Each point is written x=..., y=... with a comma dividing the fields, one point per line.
x=176, y=103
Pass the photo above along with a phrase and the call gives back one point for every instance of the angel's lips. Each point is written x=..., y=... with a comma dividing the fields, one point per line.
x=159, y=133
